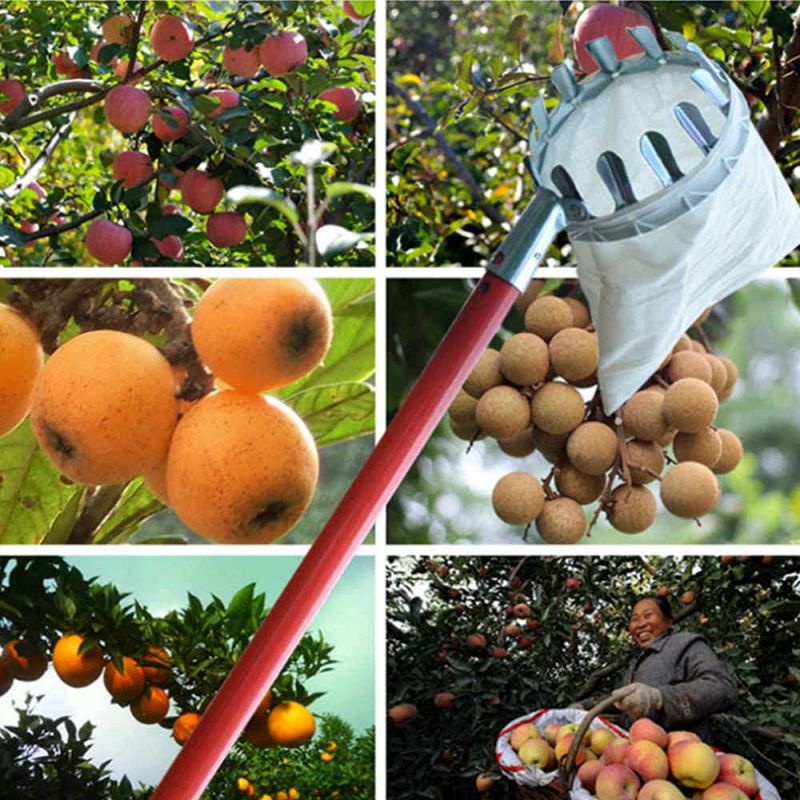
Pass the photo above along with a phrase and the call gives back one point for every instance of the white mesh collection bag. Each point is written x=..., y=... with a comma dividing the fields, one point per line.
x=513, y=768
x=671, y=199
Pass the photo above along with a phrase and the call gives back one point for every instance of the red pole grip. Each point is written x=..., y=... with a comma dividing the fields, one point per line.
x=312, y=582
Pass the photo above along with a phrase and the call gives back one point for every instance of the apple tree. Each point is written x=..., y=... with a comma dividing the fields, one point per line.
x=187, y=134
x=473, y=643
x=461, y=80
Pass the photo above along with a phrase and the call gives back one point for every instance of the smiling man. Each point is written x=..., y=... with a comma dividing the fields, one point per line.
x=675, y=679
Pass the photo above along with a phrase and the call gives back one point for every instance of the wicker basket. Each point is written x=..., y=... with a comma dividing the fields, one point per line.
x=567, y=769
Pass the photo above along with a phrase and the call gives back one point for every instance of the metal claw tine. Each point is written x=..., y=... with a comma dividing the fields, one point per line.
x=713, y=67
x=615, y=177
x=678, y=39
x=646, y=39
x=658, y=154
x=540, y=116
x=565, y=82
x=603, y=52
x=691, y=120
x=709, y=86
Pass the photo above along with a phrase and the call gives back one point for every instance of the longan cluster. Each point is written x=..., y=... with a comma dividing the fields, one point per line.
x=236, y=465
x=539, y=392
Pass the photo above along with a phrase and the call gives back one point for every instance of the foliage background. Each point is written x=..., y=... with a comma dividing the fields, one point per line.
x=746, y=608
x=249, y=145
x=474, y=67
x=446, y=496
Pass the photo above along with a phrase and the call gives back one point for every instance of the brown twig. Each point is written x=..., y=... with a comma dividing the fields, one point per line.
x=98, y=506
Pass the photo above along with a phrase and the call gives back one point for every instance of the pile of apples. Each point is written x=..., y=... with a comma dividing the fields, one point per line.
x=650, y=764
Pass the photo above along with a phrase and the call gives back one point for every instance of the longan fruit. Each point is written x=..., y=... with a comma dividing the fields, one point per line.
x=633, y=510
x=684, y=343
x=644, y=459
x=524, y=359
x=592, y=448
x=557, y=408
x=502, y=412
x=585, y=383
x=689, y=490
x=688, y=364
x=580, y=313
x=698, y=347
x=574, y=353
x=561, y=521
x=719, y=375
x=104, y=407
x=529, y=295
x=553, y=446
x=733, y=375
x=518, y=498
x=642, y=416
x=546, y=316
x=468, y=431
x=260, y=334
x=21, y=360
x=579, y=486
x=690, y=405
x=519, y=445
x=485, y=374
x=732, y=452
x=241, y=468
x=704, y=447
x=462, y=409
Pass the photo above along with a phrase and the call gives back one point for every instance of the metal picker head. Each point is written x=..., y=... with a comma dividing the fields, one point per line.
x=666, y=191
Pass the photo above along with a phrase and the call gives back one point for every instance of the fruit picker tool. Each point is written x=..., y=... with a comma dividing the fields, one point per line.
x=671, y=202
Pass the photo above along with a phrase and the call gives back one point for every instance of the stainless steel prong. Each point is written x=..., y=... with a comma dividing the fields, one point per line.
x=691, y=120
x=603, y=52
x=615, y=177
x=658, y=154
x=646, y=39
x=565, y=82
x=702, y=78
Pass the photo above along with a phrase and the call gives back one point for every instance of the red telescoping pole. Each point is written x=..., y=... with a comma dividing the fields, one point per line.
x=290, y=617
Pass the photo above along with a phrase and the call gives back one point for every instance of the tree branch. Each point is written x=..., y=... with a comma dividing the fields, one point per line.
x=447, y=151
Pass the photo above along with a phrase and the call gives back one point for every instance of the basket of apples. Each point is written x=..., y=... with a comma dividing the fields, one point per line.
x=571, y=754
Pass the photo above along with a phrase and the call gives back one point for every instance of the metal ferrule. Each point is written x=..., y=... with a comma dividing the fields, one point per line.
x=524, y=248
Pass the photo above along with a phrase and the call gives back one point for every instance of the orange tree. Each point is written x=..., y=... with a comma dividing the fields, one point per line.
x=54, y=755
x=268, y=102
x=461, y=80
x=335, y=764
x=334, y=401
x=184, y=655
x=555, y=632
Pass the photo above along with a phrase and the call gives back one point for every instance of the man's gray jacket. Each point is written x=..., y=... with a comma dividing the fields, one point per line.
x=693, y=682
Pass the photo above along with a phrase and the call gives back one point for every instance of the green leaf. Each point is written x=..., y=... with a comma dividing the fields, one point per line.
x=239, y=610
x=65, y=521
x=351, y=357
x=345, y=187
x=240, y=195
x=363, y=7
x=136, y=504
x=32, y=492
x=332, y=239
x=337, y=412
x=780, y=20
x=516, y=34
x=754, y=10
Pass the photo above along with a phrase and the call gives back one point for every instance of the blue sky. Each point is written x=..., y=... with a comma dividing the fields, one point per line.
x=161, y=583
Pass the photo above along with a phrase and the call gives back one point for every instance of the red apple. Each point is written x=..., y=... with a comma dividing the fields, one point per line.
x=616, y=782
x=107, y=242
x=739, y=772
x=648, y=760
x=283, y=52
x=171, y=123
x=14, y=92
x=611, y=21
x=694, y=764
x=650, y=731
x=345, y=98
x=660, y=790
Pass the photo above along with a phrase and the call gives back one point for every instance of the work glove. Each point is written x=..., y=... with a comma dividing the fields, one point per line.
x=638, y=700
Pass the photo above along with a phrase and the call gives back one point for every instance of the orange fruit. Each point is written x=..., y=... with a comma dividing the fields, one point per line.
x=184, y=726
x=151, y=705
x=256, y=731
x=291, y=724
x=281, y=796
x=242, y=784
x=20, y=361
x=327, y=757
x=154, y=656
x=24, y=661
x=260, y=334
x=125, y=685
x=77, y=668
x=6, y=678
x=266, y=702
x=241, y=469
